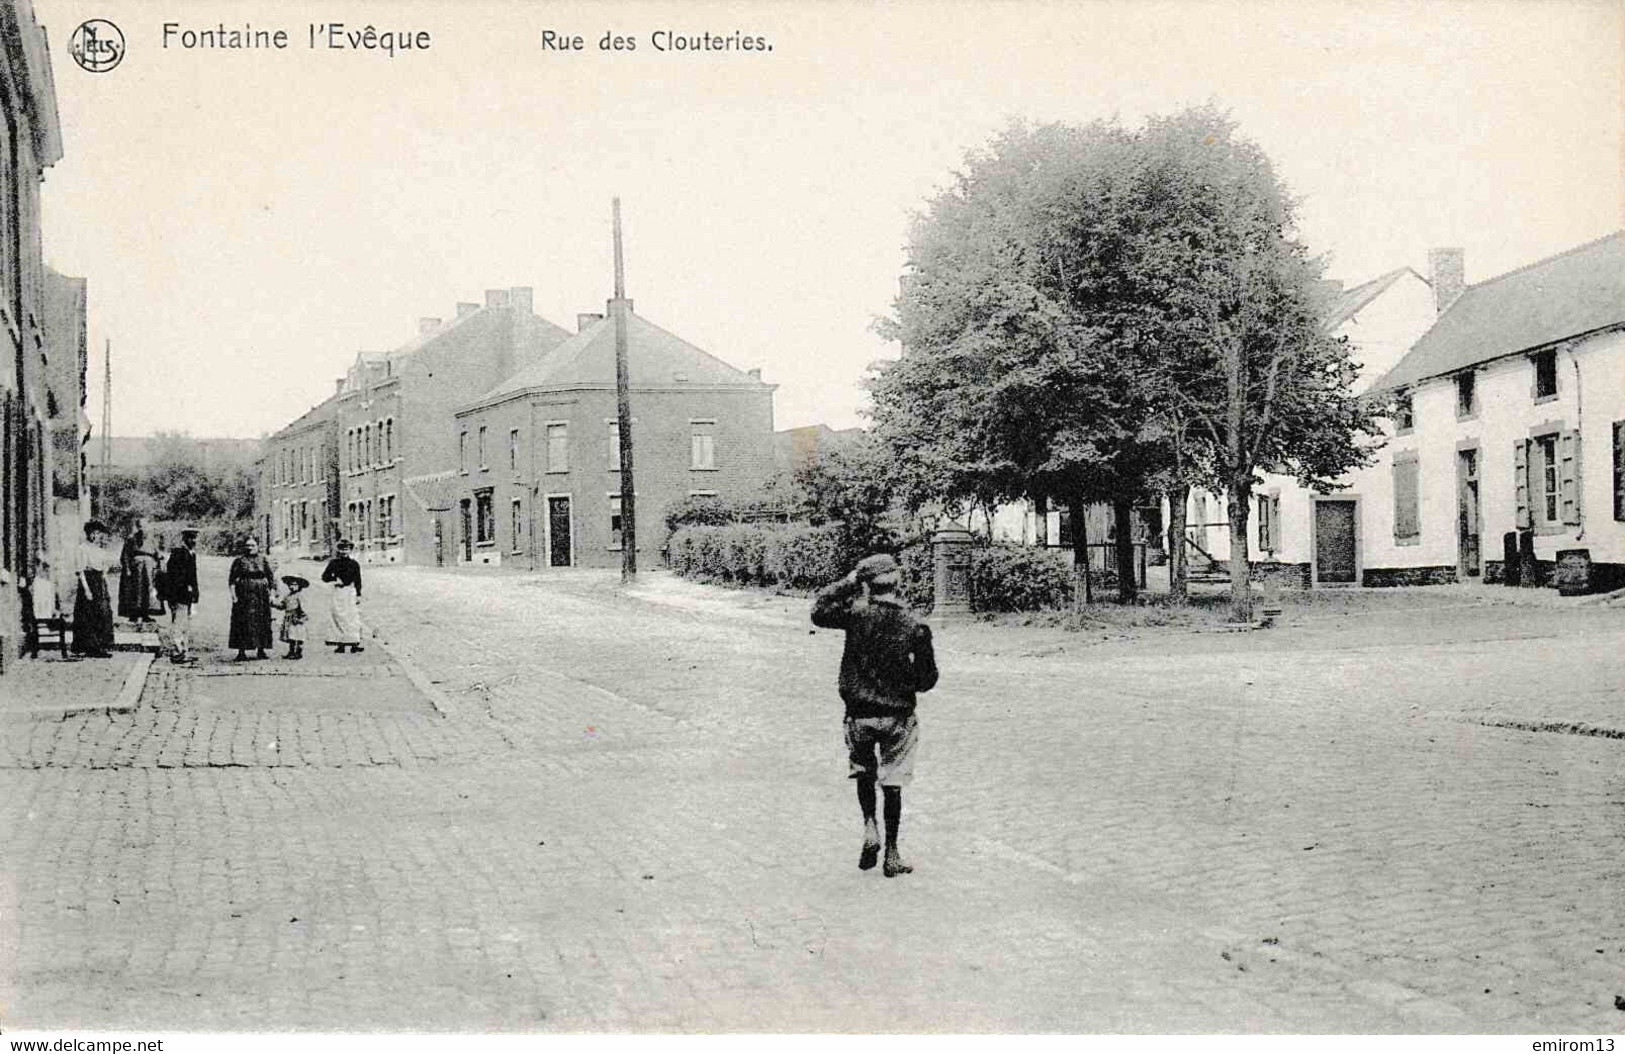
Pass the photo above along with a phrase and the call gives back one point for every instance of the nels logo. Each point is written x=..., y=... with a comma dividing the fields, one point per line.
x=97, y=45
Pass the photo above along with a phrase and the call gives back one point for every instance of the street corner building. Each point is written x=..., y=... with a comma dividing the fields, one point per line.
x=340, y=470
x=537, y=475
x=42, y=383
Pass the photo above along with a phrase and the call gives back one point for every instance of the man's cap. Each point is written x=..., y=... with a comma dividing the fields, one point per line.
x=344, y=543
x=96, y=525
x=873, y=566
x=188, y=532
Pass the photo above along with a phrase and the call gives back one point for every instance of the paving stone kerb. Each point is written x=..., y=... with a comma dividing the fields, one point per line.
x=634, y=816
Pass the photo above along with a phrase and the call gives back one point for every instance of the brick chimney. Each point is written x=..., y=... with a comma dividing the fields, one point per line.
x=1447, y=271
x=523, y=298
x=338, y=385
x=587, y=318
x=465, y=308
x=754, y=373
x=496, y=298
x=427, y=326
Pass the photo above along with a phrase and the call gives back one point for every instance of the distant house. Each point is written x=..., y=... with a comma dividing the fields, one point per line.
x=796, y=448
x=1512, y=423
x=536, y=471
x=342, y=469
x=299, y=484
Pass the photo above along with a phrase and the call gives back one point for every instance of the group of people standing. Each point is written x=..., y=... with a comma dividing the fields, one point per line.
x=149, y=587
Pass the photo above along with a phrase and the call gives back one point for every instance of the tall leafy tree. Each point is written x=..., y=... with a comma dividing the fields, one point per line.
x=1093, y=310
x=1249, y=378
x=1008, y=386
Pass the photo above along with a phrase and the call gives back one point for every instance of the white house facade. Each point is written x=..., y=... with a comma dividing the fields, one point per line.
x=1507, y=456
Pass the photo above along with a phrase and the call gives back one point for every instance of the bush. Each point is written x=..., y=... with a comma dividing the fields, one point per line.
x=796, y=556
x=1006, y=577
x=718, y=512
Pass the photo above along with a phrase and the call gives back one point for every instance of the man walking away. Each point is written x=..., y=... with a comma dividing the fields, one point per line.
x=888, y=658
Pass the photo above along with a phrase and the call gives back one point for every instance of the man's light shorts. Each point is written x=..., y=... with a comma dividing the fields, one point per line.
x=894, y=739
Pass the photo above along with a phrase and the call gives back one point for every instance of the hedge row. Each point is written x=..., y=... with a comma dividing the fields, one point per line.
x=793, y=555
x=1002, y=577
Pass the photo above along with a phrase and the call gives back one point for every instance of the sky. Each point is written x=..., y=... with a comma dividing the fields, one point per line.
x=249, y=221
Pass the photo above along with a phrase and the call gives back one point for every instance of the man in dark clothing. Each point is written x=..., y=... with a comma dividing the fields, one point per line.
x=888, y=658
x=181, y=593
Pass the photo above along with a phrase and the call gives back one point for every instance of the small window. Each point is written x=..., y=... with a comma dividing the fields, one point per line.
x=702, y=449
x=1547, y=496
x=462, y=451
x=1269, y=525
x=513, y=449
x=1407, y=499
x=614, y=447
x=1466, y=394
x=615, y=539
x=481, y=448
x=485, y=527
x=1545, y=374
x=558, y=448
x=1619, y=471
x=516, y=524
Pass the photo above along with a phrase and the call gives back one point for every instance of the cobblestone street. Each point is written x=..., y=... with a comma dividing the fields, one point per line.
x=577, y=809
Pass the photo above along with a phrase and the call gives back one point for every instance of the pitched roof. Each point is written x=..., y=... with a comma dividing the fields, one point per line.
x=655, y=358
x=1350, y=302
x=1574, y=292
x=435, y=492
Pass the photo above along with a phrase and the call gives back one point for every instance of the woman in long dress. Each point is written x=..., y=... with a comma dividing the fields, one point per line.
x=92, y=610
x=251, y=583
x=345, y=574
x=138, y=579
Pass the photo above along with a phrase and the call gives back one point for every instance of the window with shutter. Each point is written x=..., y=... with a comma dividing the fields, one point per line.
x=1619, y=470
x=1407, y=518
x=1569, y=477
x=1520, y=481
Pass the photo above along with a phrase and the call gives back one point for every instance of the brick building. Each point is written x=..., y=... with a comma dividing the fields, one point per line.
x=390, y=418
x=31, y=407
x=299, y=484
x=536, y=479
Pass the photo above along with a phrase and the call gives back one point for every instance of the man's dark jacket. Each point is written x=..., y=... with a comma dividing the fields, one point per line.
x=180, y=577
x=888, y=656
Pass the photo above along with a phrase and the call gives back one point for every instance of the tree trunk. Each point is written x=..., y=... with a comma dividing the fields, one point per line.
x=1123, y=521
x=1082, y=592
x=1178, y=562
x=1241, y=593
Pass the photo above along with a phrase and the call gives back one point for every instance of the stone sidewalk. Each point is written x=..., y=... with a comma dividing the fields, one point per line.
x=50, y=685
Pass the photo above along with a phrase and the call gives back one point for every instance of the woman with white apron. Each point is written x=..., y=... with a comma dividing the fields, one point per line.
x=345, y=575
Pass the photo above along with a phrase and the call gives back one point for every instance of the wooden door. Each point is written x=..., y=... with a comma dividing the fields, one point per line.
x=558, y=532
x=1336, y=561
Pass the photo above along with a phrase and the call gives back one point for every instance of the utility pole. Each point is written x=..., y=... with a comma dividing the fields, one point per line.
x=107, y=427
x=623, y=415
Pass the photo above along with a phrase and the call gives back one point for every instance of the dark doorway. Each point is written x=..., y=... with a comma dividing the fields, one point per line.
x=558, y=532
x=468, y=531
x=1468, y=560
x=1335, y=555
